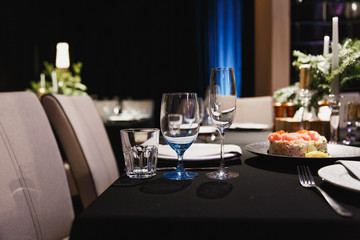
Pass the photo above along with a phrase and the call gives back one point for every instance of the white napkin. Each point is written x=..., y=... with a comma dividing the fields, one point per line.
x=324, y=113
x=200, y=151
x=207, y=129
x=308, y=115
x=248, y=125
x=352, y=166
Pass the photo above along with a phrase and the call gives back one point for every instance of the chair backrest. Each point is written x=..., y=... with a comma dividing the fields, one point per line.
x=35, y=197
x=255, y=110
x=83, y=137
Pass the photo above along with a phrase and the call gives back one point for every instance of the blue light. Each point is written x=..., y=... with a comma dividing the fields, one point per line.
x=225, y=36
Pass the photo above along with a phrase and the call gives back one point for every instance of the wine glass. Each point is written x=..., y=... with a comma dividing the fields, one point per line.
x=179, y=124
x=222, y=106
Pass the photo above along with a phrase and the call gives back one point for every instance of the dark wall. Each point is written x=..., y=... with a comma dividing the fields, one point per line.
x=129, y=48
x=311, y=20
x=133, y=49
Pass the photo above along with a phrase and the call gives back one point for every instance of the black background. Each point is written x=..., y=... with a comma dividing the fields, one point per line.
x=131, y=48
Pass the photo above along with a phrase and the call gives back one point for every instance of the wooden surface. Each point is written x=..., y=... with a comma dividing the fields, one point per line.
x=289, y=125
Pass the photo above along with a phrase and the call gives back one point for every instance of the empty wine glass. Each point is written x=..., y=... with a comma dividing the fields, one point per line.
x=222, y=112
x=179, y=123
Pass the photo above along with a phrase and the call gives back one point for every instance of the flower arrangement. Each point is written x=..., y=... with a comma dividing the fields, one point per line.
x=286, y=94
x=69, y=82
x=321, y=74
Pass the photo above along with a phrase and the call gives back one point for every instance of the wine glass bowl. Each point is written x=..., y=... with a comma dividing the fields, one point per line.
x=179, y=124
x=222, y=104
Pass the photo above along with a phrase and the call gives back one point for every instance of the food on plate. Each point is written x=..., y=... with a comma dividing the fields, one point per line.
x=298, y=144
x=316, y=154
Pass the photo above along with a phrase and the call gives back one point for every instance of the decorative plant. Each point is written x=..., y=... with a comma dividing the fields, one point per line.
x=349, y=68
x=321, y=74
x=69, y=82
x=287, y=94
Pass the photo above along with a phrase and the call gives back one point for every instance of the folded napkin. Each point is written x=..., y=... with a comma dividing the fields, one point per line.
x=352, y=166
x=122, y=117
x=200, y=151
x=207, y=129
x=250, y=126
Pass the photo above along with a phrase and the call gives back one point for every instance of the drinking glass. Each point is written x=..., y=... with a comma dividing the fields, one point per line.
x=222, y=112
x=140, y=148
x=179, y=123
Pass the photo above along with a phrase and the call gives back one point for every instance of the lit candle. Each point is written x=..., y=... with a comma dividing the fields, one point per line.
x=62, y=55
x=335, y=54
x=54, y=81
x=326, y=45
x=42, y=80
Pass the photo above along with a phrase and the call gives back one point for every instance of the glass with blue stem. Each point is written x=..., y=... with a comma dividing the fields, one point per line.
x=179, y=124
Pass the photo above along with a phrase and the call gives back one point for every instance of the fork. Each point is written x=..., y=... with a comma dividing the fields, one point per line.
x=307, y=180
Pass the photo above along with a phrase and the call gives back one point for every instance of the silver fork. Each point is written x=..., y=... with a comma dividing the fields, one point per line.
x=307, y=180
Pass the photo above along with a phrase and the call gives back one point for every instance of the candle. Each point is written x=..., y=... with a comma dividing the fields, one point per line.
x=54, y=82
x=335, y=54
x=62, y=55
x=326, y=45
x=42, y=80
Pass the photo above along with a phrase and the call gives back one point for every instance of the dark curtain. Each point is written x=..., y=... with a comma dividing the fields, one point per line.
x=225, y=39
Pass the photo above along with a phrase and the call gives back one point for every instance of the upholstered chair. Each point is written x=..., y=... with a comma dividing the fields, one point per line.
x=255, y=110
x=34, y=194
x=82, y=135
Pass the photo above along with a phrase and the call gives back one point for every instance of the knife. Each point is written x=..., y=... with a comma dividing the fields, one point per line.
x=349, y=168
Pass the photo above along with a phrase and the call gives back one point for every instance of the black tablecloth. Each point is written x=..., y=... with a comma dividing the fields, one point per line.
x=265, y=201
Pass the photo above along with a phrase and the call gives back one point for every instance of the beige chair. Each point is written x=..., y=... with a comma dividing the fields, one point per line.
x=255, y=110
x=34, y=193
x=83, y=138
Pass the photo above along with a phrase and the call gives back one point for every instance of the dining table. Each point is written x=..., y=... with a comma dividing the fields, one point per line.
x=266, y=201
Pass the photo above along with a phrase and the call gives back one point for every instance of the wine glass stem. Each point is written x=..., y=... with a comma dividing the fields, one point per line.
x=180, y=165
x=222, y=161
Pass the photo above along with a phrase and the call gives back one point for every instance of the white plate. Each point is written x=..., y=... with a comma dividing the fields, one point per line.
x=200, y=152
x=336, y=151
x=338, y=175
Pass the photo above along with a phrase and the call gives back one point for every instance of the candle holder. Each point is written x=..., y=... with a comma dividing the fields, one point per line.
x=352, y=120
x=279, y=109
x=334, y=105
x=290, y=109
x=304, y=96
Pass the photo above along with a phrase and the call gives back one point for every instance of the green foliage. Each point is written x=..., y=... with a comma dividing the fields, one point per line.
x=320, y=69
x=69, y=82
x=286, y=94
